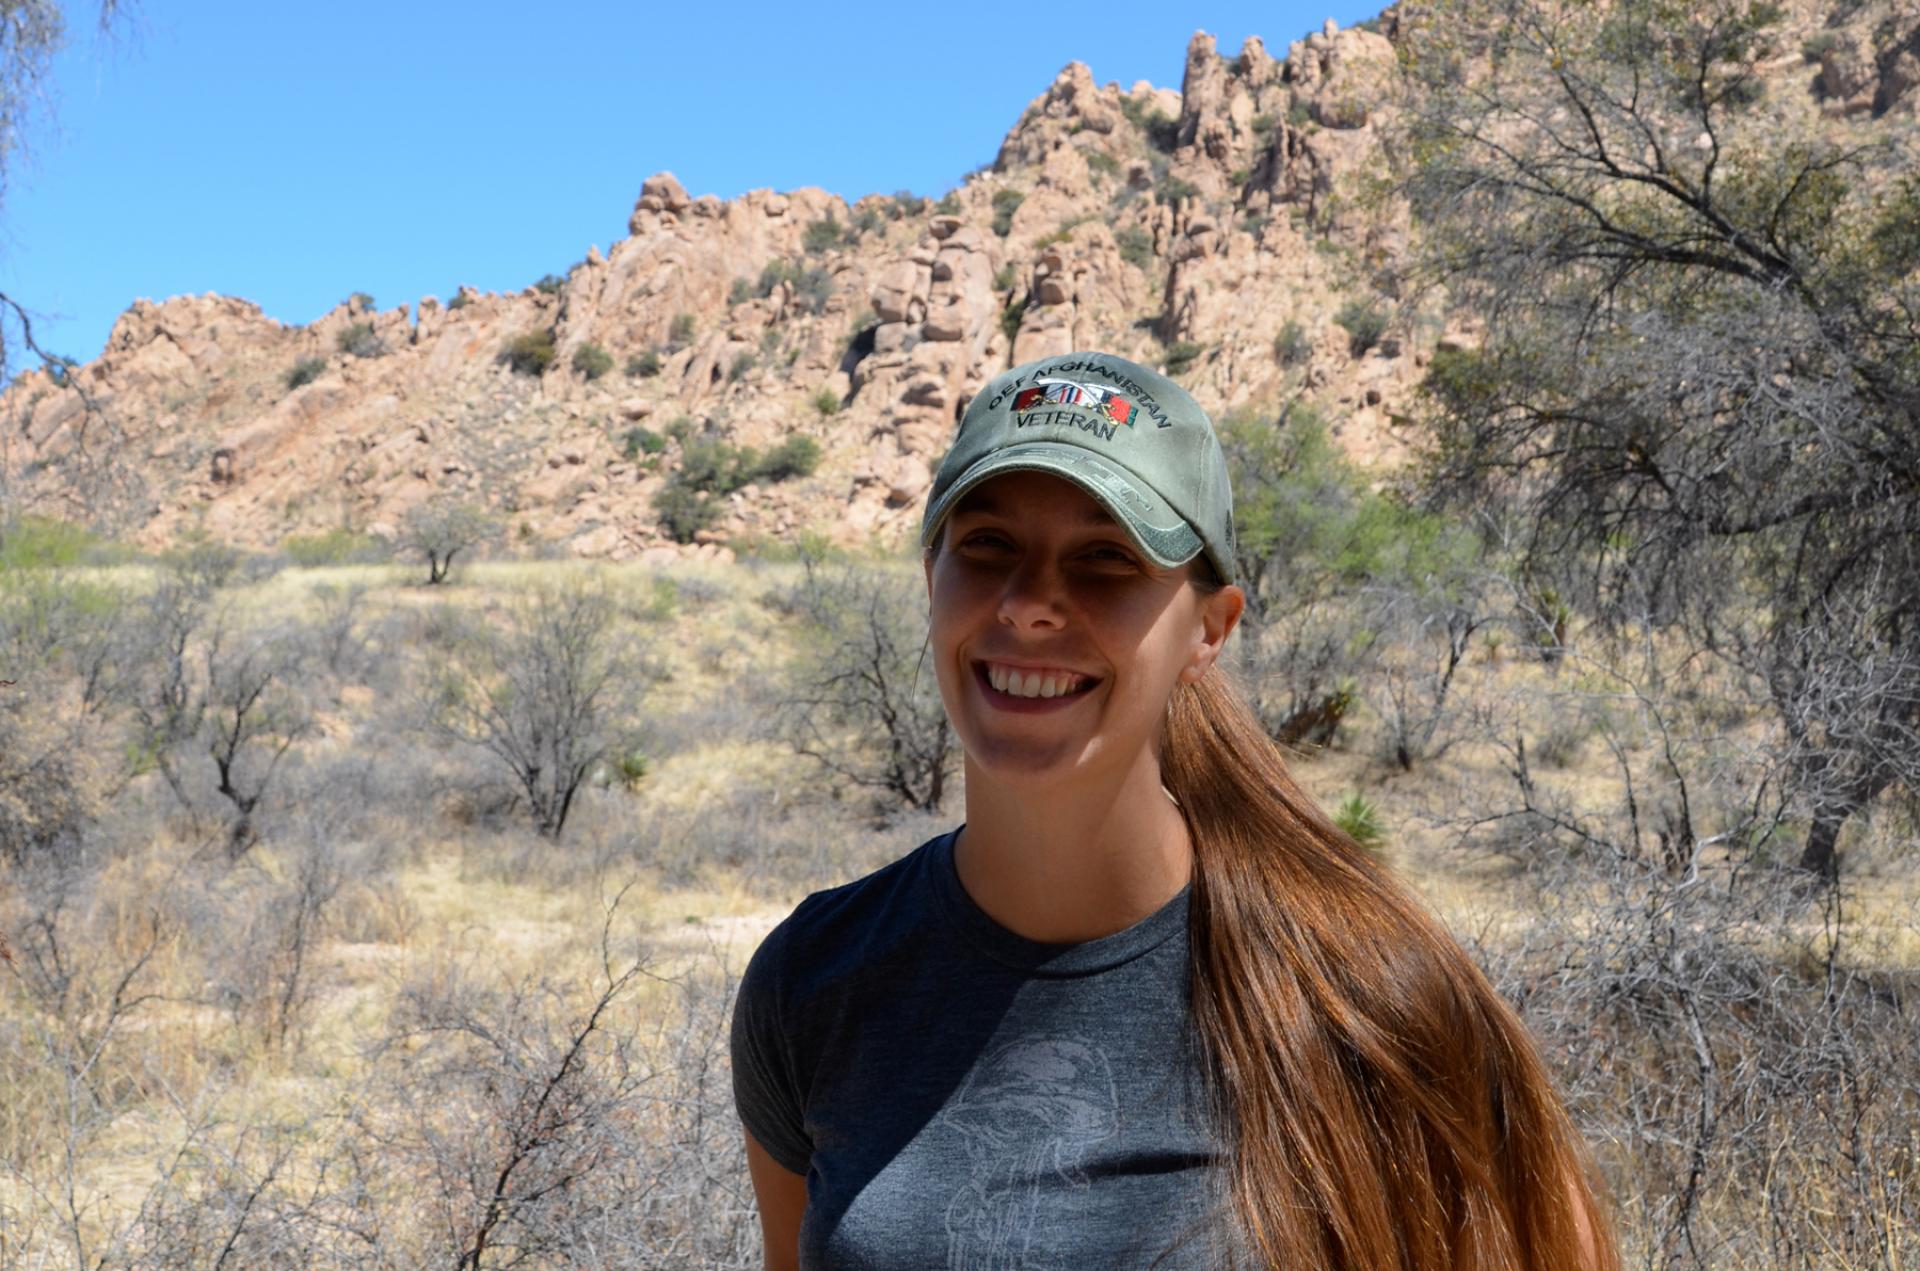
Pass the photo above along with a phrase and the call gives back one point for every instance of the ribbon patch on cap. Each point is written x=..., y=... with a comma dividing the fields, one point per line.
x=1059, y=392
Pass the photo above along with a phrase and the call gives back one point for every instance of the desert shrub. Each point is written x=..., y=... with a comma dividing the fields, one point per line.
x=740, y=292
x=305, y=371
x=822, y=236
x=710, y=469
x=743, y=365
x=716, y=467
x=41, y=542
x=1012, y=316
x=680, y=330
x=360, y=300
x=637, y=441
x=1818, y=45
x=643, y=365
x=335, y=547
x=1292, y=346
x=1365, y=323
x=1102, y=164
x=1360, y=818
x=1063, y=232
x=460, y=299
x=684, y=511
x=360, y=341
x=1136, y=246
x=907, y=203
x=206, y=564
x=1180, y=355
x=812, y=289
x=549, y=284
x=591, y=361
x=1263, y=125
x=773, y=274
x=949, y=204
x=1005, y=204
x=797, y=456
x=46, y=796
x=826, y=401
x=530, y=353
x=1161, y=130
x=1176, y=190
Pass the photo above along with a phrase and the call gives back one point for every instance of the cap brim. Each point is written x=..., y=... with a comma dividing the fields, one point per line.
x=1159, y=531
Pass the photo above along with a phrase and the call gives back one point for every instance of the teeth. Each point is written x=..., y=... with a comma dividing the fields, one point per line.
x=1018, y=683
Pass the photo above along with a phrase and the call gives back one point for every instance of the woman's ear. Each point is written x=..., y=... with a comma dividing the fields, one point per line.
x=1219, y=614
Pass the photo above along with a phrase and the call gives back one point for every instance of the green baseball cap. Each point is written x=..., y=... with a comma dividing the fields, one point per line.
x=1130, y=437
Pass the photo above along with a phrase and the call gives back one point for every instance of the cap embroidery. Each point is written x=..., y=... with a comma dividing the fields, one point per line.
x=1061, y=392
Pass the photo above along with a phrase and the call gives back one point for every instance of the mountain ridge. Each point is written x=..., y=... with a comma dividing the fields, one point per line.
x=1234, y=231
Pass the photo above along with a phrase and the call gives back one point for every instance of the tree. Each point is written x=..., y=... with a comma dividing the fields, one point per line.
x=1351, y=591
x=252, y=714
x=858, y=698
x=1698, y=373
x=441, y=528
x=545, y=697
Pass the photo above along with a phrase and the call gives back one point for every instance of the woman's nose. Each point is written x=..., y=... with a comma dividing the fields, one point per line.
x=1033, y=596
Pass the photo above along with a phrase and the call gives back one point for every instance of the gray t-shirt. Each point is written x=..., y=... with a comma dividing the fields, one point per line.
x=959, y=1096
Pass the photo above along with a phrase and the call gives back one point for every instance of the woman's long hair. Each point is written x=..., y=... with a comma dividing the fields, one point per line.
x=1382, y=1106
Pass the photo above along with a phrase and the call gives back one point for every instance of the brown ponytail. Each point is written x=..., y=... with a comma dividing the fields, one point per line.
x=1384, y=1108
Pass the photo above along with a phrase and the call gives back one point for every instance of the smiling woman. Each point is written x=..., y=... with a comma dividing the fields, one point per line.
x=1147, y=1006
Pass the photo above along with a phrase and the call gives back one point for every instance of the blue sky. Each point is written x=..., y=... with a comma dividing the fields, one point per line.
x=401, y=149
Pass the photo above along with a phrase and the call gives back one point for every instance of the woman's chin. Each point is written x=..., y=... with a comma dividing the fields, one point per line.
x=1028, y=762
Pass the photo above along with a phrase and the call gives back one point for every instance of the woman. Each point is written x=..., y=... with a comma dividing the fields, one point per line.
x=1147, y=1006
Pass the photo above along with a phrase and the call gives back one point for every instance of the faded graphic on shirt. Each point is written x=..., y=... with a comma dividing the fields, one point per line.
x=1033, y=1108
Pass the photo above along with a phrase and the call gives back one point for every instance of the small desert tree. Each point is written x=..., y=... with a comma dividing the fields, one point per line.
x=548, y=696
x=441, y=528
x=253, y=711
x=859, y=697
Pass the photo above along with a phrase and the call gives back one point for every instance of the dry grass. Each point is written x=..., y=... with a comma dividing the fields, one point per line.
x=155, y=1038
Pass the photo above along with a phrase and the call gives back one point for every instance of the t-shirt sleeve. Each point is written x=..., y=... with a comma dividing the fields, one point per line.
x=766, y=1090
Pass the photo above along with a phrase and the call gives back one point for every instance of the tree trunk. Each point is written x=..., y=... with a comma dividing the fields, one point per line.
x=1819, y=856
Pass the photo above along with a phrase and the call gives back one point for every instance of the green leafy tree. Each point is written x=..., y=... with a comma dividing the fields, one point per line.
x=1700, y=374
x=440, y=529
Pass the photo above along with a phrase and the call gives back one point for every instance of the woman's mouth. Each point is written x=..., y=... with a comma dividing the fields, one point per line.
x=1030, y=685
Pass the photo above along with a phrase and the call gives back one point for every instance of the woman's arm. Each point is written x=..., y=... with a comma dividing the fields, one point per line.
x=782, y=1197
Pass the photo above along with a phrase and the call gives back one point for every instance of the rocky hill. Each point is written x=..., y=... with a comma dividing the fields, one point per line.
x=1233, y=231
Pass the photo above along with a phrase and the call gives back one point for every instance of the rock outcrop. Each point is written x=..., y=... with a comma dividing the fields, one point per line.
x=1218, y=229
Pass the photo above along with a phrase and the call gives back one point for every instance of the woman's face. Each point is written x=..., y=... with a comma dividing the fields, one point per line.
x=1057, y=643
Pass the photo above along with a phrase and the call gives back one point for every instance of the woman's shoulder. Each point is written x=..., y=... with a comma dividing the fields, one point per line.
x=833, y=923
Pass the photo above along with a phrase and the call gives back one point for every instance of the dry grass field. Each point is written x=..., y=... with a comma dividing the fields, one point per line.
x=394, y=1024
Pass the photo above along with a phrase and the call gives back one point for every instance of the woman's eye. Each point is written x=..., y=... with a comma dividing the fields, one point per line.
x=984, y=540
x=1108, y=554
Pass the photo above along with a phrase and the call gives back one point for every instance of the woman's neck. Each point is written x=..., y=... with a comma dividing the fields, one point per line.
x=1067, y=863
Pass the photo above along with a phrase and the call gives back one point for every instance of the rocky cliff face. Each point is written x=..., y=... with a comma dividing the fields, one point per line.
x=1217, y=230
